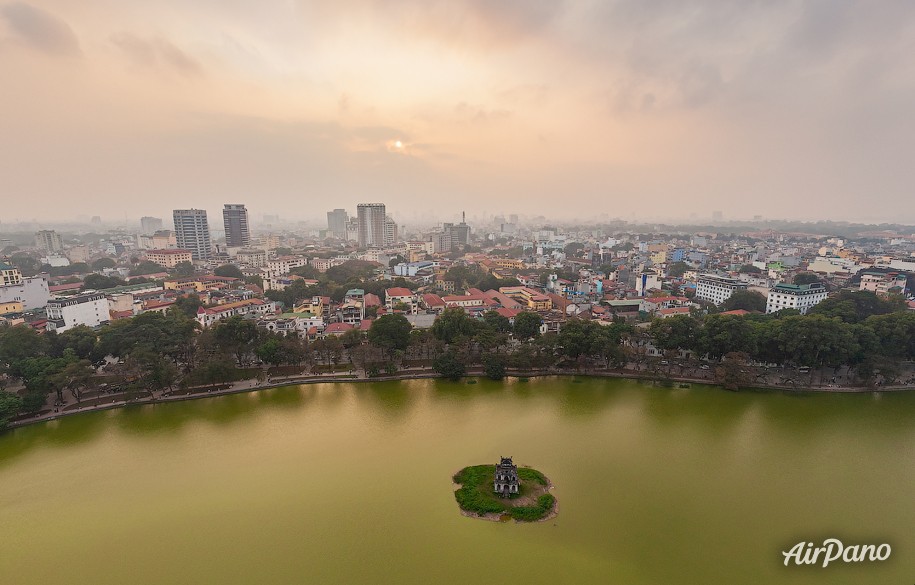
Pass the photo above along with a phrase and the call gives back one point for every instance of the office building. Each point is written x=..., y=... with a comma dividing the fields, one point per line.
x=235, y=220
x=390, y=231
x=88, y=309
x=371, y=224
x=192, y=232
x=336, y=222
x=49, y=241
x=150, y=225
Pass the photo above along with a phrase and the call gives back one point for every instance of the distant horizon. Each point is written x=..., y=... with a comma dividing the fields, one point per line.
x=575, y=108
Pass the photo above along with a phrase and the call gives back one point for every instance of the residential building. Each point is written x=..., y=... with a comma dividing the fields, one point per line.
x=192, y=232
x=88, y=309
x=336, y=223
x=794, y=296
x=149, y=225
x=10, y=307
x=235, y=220
x=371, y=224
x=252, y=258
x=9, y=275
x=882, y=282
x=32, y=292
x=206, y=316
x=49, y=241
x=400, y=296
x=717, y=289
x=390, y=231
x=169, y=258
x=284, y=264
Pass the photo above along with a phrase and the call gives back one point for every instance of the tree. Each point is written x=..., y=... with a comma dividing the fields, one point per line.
x=856, y=306
x=146, y=267
x=28, y=265
x=731, y=373
x=673, y=333
x=103, y=263
x=306, y=271
x=806, y=278
x=229, y=271
x=352, y=338
x=448, y=365
x=748, y=300
x=183, y=269
x=750, y=269
x=75, y=376
x=452, y=325
x=187, y=305
x=722, y=334
x=390, y=332
x=10, y=405
x=494, y=366
x=678, y=269
x=497, y=322
x=527, y=325
x=18, y=344
x=99, y=282
x=236, y=336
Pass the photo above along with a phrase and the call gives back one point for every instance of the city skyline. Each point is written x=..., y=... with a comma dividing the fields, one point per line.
x=630, y=109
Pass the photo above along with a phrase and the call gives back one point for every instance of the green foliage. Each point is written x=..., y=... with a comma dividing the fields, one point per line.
x=672, y=333
x=229, y=271
x=10, y=405
x=748, y=300
x=27, y=264
x=856, y=306
x=544, y=505
x=307, y=271
x=146, y=267
x=390, y=332
x=750, y=269
x=527, y=325
x=183, y=269
x=99, y=282
x=678, y=269
x=351, y=270
x=497, y=322
x=103, y=263
x=449, y=365
x=806, y=278
x=476, y=493
x=187, y=305
x=452, y=325
x=494, y=366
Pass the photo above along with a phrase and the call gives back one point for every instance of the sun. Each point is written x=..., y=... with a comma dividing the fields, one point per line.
x=398, y=144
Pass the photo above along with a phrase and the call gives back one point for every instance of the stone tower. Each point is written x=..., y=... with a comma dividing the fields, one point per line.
x=506, y=478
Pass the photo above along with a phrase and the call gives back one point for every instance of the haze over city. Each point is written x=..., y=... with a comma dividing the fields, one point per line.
x=788, y=109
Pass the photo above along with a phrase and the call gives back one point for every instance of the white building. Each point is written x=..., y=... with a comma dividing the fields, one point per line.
x=717, y=289
x=284, y=265
x=89, y=309
x=32, y=292
x=882, y=283
x=794, y=296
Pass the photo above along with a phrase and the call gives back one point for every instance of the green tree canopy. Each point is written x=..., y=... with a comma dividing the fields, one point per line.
x=748, y=300
x=229, y=271
x=527, y=325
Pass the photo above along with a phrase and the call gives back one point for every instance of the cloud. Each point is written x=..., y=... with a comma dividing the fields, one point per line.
x=40, y=29
x=157, y=52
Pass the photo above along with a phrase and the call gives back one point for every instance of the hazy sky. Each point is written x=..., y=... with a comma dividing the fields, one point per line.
x=630, y=108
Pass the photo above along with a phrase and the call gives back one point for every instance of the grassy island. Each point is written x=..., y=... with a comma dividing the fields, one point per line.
x=476, y=496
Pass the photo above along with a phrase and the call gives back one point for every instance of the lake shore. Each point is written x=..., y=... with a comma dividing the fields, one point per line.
x=253, y=385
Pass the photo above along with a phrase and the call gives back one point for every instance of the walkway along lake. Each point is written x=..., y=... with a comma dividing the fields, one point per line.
x=350, y=483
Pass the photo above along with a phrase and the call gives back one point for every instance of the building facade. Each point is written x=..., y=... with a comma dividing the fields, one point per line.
x=149, y=225
x=370, y=219
x=192, y=232
x=49, y=241
x=235, y=221
x=89, y=309
x=506, y=482
x=32, y=292
x=717, y=289
x=794, y=296
x=169, y=258
x=336, y=223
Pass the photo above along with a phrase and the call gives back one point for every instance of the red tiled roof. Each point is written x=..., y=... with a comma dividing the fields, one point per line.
x=371, y=300
x=507, y=313
x=337, y=328
x=736, y=312
x=365, y=324
x=398, y=291
x=433, y=300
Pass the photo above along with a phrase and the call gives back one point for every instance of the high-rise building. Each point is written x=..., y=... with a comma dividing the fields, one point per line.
x=192, y=232
x=235, y=220
x=336, y=222
x=390, y=231
x=149, y=225
x=49, y=241
x=371, y=220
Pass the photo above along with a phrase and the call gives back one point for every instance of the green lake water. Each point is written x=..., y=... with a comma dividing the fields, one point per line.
x=351, y=483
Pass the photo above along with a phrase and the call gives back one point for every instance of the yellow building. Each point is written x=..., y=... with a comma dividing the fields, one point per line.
x=169, y=258
x=11, y=307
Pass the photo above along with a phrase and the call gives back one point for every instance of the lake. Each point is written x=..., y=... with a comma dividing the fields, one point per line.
x=351, y=483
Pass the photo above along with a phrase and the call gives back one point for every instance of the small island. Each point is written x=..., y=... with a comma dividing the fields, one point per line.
x=503, y=492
